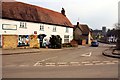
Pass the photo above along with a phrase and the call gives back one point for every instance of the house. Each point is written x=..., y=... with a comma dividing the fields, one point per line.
x=99, y=34
x=82, y=34
x=26, y=25
x=112, y=36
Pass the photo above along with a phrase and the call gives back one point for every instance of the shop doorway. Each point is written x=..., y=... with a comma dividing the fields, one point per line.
x=41, y=37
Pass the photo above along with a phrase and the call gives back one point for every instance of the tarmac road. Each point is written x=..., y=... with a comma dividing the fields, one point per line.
x=86, y=62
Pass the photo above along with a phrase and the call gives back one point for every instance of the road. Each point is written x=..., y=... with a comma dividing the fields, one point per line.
x=83, y=62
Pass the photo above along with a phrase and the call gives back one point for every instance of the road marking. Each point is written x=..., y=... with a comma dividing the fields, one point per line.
x=50, y=63
x=23, y=65
x=87, y=54
x=48, y=59
x=110, y=63
x=96, y=61
x=62, y=63
x=9, y=66
x=38, y=63
x=106, y=61
x=85, y=62
x=115, y=61
x=74, y=62
x=88, y=64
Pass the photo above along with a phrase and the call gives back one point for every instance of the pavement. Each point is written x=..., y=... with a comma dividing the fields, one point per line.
x=30, y=50
x=112, y=52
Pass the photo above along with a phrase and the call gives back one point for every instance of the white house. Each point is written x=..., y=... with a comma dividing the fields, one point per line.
x=20, y=20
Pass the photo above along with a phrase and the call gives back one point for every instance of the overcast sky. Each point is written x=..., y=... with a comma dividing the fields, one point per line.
x=95, y=13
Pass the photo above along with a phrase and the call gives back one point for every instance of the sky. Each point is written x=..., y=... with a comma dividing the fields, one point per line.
x=94, y=13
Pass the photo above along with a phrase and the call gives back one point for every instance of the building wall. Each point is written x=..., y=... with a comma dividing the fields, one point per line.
x=13, y=28
x=77, y=33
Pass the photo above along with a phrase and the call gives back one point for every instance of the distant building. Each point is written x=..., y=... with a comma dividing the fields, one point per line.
x=98, y=34
x=104, y=31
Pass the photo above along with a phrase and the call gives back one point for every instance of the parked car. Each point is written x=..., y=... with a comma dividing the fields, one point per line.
x=95, y=43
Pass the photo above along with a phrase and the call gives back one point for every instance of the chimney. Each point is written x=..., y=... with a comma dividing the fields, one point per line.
x=77, y=23
x=63, y=11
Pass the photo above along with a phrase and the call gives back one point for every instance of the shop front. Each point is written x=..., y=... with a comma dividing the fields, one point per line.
x=23, y=40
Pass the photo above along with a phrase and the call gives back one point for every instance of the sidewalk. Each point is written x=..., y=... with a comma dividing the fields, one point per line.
x=32, y=50
x=23, y=51
x=112, y=53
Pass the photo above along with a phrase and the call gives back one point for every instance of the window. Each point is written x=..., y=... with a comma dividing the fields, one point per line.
x=23, y=40
x=67, y=29
x=41, y=28
x=54, y=29
x=23, y=25
x=66, y=38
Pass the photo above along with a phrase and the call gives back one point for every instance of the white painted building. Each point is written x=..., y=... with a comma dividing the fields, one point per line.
x=22, y=20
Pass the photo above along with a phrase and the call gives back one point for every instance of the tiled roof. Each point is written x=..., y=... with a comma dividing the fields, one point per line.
x=32, y=13
x=84, y=28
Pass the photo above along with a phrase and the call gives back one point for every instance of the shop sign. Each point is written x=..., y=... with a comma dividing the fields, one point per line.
x=9, y=27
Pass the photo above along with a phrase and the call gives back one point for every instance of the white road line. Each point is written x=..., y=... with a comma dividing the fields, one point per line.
x=9, y=66
x=115, y=61
x=106, y=61
x=96, y=61
x=85, y=62
x=87, y=54
x=38, y=63
x=49, y=65
x=88, y=64
x=110, y=63
x=23, y=65
x=74, y=62
x=62, y=63
x=48, y=59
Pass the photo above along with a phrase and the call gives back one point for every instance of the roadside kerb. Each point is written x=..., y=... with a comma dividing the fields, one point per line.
x=110, y=54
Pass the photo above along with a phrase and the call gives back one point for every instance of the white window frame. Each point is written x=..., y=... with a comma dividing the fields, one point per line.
x=23, y=25
x=66, y=38
x=67, y=30
x=54, y=29
x=41, y=27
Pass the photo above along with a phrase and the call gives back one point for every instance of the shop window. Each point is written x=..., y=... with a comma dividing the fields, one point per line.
x=41, y=27
x=23, y=25
x=23, y=40
x=54, y=29
x=66, y=38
